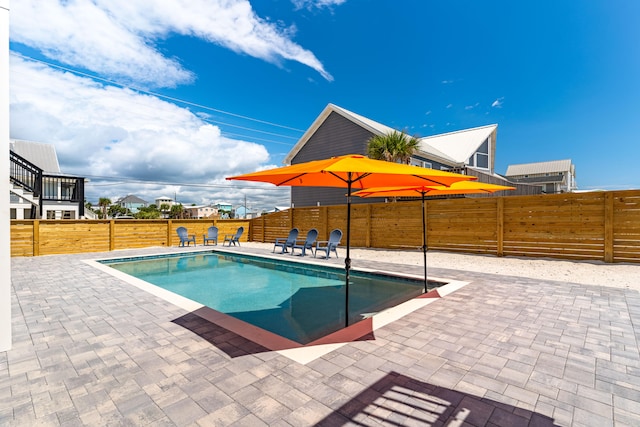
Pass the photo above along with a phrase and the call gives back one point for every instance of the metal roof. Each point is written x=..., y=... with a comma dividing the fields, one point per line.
x=40, y=154
x=459, y=145
x=553, y=166
x=454, y=147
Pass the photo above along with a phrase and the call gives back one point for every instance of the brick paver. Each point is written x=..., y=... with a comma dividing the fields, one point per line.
x=90, y=349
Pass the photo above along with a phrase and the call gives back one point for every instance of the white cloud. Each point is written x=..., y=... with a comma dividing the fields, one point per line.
x=112, y=132
x=498, y=102
x=116, y=37
x=318, y=4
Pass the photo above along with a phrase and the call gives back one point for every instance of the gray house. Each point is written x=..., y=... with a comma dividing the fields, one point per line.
x=337, y=131
x=557, y=176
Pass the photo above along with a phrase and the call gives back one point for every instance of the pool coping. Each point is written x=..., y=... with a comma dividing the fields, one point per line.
x=300, y=353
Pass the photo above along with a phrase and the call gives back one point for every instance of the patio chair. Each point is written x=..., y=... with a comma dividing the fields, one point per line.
x=185, y=237
x=331, y=245
x=211, y=236
x=233, y=238
x=288, y=242
x=309, y=242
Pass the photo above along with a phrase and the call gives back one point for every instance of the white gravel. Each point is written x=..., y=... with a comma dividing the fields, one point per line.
x=618, y=275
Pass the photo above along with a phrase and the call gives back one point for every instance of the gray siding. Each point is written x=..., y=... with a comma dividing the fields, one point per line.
x=336, y=136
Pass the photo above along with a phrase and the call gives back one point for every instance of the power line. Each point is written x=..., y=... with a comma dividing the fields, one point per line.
x=159, y=95
x=126, y=180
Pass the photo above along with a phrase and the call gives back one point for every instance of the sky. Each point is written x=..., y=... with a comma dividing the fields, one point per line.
x=167, y=99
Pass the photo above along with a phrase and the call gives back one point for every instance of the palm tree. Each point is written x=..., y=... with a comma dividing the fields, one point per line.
x=392, y=147
x=177, y=211
x=104, y=203
x=164, y=209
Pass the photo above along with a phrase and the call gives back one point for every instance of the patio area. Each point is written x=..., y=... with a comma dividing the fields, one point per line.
x=91, y=349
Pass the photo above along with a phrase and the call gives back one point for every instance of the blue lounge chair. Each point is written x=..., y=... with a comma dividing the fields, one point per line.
x=331, y=245
x=288, y=242
x=185, y=237
x=233, y=238
x=309, y=242
x=211, y=236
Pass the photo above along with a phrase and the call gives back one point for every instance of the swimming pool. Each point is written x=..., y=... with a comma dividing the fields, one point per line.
x=301, y=302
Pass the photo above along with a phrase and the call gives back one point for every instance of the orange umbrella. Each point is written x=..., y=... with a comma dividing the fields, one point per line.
x=352, y=171
x=460, y=187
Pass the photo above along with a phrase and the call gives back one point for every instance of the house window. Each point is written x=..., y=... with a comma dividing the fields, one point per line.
x=480, y=158
x=421, y=163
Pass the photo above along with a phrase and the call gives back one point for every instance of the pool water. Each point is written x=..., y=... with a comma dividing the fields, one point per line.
x=300, y=302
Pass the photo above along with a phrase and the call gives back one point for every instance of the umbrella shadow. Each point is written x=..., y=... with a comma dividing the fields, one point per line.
x=311, y=316
x=399, y=400
x=308, y=317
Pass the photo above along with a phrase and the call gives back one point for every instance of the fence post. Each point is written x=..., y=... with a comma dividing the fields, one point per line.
x=325, y=222
x=112, y=234
x=36, y=237
x=608, y=226
x=368, y=227
x=291, y=217
x=263, y=229
x=500, y=226
x=169, y=226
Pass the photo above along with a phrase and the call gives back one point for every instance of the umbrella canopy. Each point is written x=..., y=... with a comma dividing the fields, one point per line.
x=361, y=171
x=352, y=171
x=460, y=187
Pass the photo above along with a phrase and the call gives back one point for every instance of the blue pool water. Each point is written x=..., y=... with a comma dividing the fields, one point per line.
x=298, y=301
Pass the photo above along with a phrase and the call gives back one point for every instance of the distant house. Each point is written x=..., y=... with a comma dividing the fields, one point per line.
x=223, y=206
x=246, y=213
x=558, y=176
x=337, y=131
x=164, y=201
x=132, y=203
x=200, y=212
x=38, y=187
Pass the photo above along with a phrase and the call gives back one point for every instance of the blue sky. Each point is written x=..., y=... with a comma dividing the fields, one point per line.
x=169, y=98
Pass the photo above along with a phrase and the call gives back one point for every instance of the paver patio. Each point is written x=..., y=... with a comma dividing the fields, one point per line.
x=91, y=349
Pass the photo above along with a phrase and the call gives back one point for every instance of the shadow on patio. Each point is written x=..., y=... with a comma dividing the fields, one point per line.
x=400, y=400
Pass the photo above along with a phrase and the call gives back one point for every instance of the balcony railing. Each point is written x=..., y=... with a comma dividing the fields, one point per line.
x=46, y=187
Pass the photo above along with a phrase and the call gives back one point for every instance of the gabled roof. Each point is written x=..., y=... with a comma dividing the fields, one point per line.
x=131, y=199
x=459, y=145
x=371, y=125
x=553, y=166
x=454, y=148
x=40, y=154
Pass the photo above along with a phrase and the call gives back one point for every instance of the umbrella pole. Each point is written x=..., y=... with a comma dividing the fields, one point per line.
x=424, y=244
x=347, y=260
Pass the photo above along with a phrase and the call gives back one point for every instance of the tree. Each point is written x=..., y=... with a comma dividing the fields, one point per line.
x=116, y=210
x=392, y=147
x=164, y=208
x=177, y=211
x=148, y=212
x=104, y=203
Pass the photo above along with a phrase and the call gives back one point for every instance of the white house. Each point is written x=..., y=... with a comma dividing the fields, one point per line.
x=38, y=188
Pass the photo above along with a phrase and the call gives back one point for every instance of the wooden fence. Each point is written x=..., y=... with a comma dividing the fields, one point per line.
x=48, y=237
x=581, y=226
